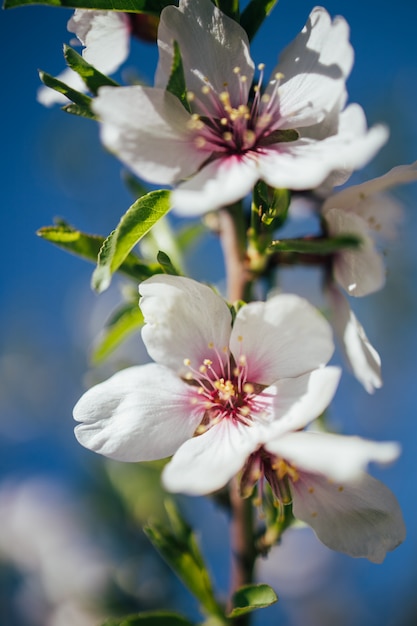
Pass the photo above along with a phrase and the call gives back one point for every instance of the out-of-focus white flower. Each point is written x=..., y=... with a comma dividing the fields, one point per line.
x=292, y=135
x=105, y=36
x=323, y=476
x=43, y=536
x=215, y=391
x=359, y=353
x=366, y=211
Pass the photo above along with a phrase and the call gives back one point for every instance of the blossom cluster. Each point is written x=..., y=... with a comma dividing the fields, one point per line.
x=236, y=388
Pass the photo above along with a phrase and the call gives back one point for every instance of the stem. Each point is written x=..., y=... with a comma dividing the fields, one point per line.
x=243, y=545
x=233, y=240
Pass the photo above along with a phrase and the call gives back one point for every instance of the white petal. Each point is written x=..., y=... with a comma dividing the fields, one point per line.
x=147, y=129
x=281, y=338
x=139, y=414
x=315, y=67
x=105, y=35
x=359, y=271
x=218, y=184
x=212, y=45
x=297, y=401
x=307, y=162
x=350, y=197
x=361, y=518
x=362, y=357
x=207, y=462
x=183, y=318
x=337, y=457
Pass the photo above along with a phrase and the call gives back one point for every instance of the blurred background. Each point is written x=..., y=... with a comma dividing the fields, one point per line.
x=71, y=548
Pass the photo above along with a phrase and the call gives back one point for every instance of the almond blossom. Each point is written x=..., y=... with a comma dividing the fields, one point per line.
x=366, y=211
x=105, y=36
x=215, y=390
x=322, y=475
x=216, y=144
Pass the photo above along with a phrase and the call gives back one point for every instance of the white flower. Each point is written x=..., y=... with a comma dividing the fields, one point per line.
x=364, y=210
x=322, y=475
x=105, y=36
x=294, y=135
x=360, y=354
x=215, y=391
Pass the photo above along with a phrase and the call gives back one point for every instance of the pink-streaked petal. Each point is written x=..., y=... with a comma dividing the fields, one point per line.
x=314, y=67
x=297, y=401
x=105, y=35
x=147, y=129
x=352, y=196
x=284, y=337
x=184, y=319
x=220, y=183
x=206, y=463
x=362, y=357
x=360, y=271
x=361, y=518
x=212, y=45
x=337, y=457
x=140, y=414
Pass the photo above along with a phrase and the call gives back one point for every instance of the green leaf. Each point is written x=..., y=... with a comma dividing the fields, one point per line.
x=153, y=7
x=134, y=224
x=252, y=597
x=176, y=84
x=165, y=262
x=159, y=618
x=254, y=14
x=88, y=247
x=92, y=77
x=229, y=7
x=125, y=321
x=81, y=101
x=315, y=246
x=178, y=546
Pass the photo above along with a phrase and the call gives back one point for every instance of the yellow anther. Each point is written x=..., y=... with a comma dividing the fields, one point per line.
x=225, y=349
x=279, y=76
x=199, y=142
x=211, y=345
x=256, y=88
x=187, y=362
x=194, y=401
x=250, y=136
x=205, y=89
x=244, y=410
x=261, y=66
x=243, y=79
x=227, y=136
x=224, y=121
x=266, y=98
x=283, y=469
x=207, y=362
x=242, y=359
x=236, y=70
x=190, y=96
x=248, y=388
x=240, y=338
x=188, y=376
x=200, y=391
x=202, y=369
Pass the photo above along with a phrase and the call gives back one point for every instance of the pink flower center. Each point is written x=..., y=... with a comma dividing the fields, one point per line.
x=221, y=389
x=233, y=125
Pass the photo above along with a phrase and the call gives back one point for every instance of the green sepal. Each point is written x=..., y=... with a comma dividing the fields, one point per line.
x=134, y=224
x=178, y=546
x=254, y=14
x=153, y=7
x=166, y=264
x=88, y=247
x=176, y=84
x=92, y=77
x=81, y=101
x=271, y=204
x=123, y=322
x=157, y=618
x=316, y=245
x=281, y=136
x=229, y=7
x=251, y=597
